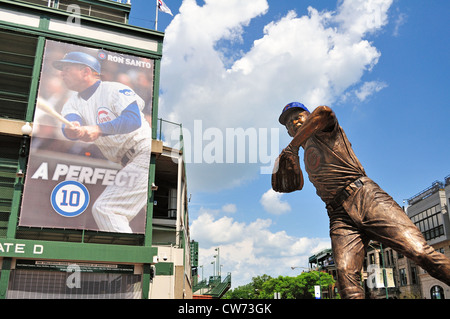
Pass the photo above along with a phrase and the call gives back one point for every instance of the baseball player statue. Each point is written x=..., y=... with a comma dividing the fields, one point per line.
x=109, y=114
x=359, y=210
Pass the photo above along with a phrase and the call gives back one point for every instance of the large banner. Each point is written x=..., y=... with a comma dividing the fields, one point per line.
x=91, y=142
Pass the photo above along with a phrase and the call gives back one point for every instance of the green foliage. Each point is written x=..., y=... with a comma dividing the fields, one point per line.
x=300, y=287
x=249, y=291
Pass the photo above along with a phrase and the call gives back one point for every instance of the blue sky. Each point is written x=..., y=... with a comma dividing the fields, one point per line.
x=382, y=66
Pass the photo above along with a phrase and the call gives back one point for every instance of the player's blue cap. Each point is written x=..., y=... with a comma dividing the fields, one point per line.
x=79, y=58
x=289, y=108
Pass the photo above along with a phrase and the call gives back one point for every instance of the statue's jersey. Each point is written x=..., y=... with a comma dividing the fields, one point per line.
x=331, y=163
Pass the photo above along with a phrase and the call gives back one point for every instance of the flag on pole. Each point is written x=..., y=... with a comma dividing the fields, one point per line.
x=163, y=7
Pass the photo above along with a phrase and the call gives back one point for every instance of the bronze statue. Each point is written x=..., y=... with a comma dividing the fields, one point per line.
x=359, y=210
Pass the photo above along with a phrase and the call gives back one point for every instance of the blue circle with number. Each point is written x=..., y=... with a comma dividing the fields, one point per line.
x=70, y=198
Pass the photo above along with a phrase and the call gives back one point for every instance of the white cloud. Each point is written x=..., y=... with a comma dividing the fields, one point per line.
x=313, y=58
x=359, y=17
x=272, y=203
x=401, y=19
x=229, y=208
x=250, y=249
x=369, y=88
x=207, y=230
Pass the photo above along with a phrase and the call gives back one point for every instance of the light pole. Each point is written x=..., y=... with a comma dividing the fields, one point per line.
x=202, y=270
x=218, y=261
x=202, y=287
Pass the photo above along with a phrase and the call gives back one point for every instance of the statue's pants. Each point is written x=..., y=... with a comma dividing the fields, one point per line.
x=367, y=214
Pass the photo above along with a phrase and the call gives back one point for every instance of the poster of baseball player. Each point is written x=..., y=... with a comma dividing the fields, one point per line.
x=91, y=142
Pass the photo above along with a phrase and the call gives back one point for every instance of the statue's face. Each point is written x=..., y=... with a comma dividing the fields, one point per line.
x=295, y=120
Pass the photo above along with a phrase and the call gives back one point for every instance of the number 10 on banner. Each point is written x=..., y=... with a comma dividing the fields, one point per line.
x=70, y=198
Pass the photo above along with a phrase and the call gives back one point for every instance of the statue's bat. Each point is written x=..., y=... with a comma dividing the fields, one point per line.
x=46, y=107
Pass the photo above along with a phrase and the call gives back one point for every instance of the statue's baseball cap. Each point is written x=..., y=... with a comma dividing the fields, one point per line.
x=289, y=108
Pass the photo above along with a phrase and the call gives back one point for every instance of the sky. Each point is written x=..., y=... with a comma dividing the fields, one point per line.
x=230, y=66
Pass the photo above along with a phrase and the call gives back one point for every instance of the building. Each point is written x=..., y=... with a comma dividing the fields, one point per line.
x=323, y=261
x=429, y=212
x=405, y=280
x=58, y=238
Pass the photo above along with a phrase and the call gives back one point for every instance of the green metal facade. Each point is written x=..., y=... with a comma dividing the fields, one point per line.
x=71, y=245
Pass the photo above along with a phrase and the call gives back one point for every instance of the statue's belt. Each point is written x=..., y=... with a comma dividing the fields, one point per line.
x=346, y=192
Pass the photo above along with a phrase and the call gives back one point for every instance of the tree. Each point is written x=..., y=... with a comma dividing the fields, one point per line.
x=287, y=287
x=241, y=292
x=300, y=287
x=248, y=291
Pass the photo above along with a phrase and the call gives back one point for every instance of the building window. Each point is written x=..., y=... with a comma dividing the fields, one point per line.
x=403, y=278
x=430, y=222
x=9, y=153
x=391, y=257
x=17, y=52
x=437, y=292
x=413, y=275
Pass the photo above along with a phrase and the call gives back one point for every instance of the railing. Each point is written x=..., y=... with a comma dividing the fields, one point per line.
x=122, y=1
x=170, y=133
x=447, y=180
x=426, y=192
x=52, y=3
x=215, y=287
x=200, y=285
x=89, y=9
x=221, y=288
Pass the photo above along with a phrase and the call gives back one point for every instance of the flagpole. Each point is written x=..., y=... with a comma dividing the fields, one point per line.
x=156, y=19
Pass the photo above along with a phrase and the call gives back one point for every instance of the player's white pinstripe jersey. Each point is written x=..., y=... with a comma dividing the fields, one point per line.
x=106, y=104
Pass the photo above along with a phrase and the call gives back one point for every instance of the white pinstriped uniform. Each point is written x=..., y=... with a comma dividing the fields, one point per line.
x=117, y=205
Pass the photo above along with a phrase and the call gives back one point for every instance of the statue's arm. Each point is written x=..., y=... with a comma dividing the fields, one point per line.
x=321, y=119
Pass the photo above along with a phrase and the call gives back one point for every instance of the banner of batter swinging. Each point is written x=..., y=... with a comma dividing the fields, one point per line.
x=91, y=141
